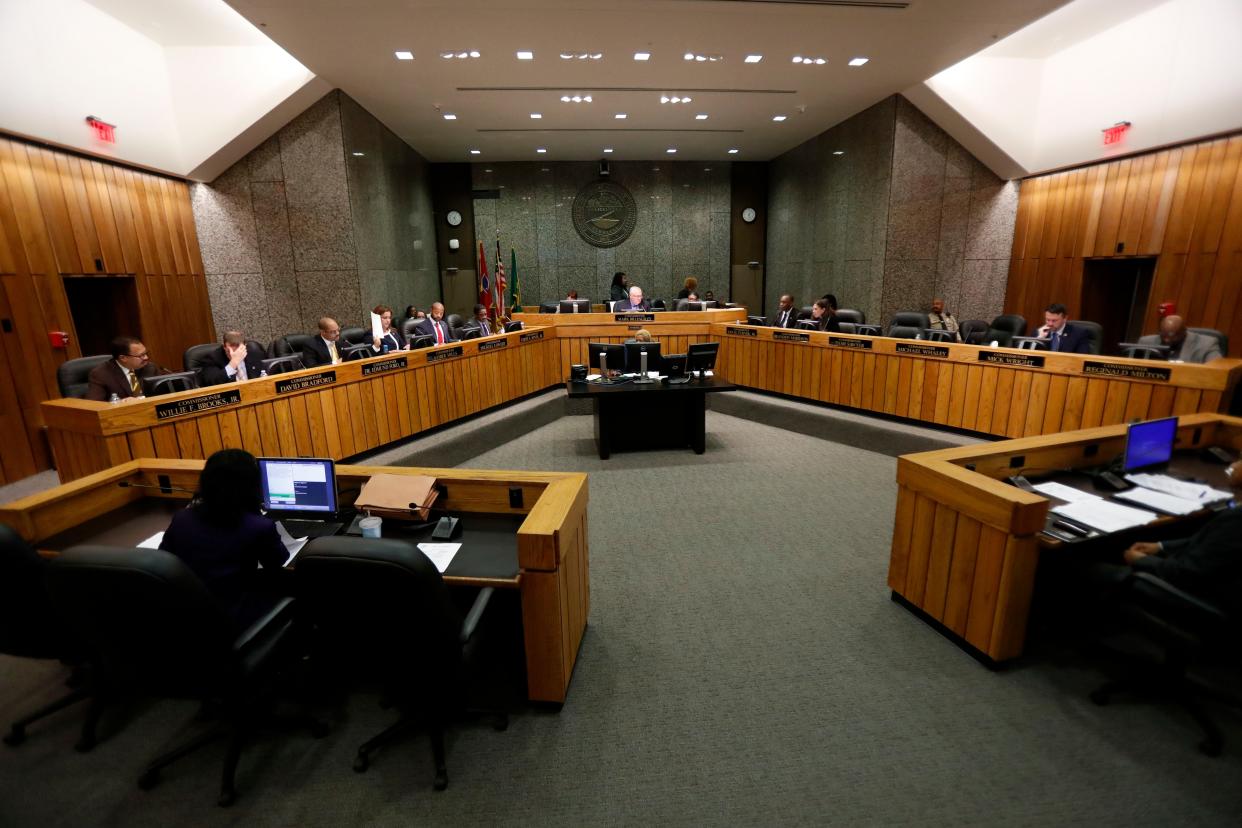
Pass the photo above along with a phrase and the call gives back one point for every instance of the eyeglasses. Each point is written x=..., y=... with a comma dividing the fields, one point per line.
x=144, y=356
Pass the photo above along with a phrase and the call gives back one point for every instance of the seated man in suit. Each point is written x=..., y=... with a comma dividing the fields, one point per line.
x=636, y=302
x=1184, y=345
x=786, y=315
x=435, y=326
x=123, y=374
x=324, y=349
x=232, y=361
x=1063, y=336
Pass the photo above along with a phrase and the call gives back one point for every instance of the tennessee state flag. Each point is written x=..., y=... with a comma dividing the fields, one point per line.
x=485, y=284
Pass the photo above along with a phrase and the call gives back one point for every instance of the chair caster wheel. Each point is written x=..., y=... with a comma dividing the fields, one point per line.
x=361, y=763
x=1100, y=697
x=1211, y=747
x=226, y=798
x=441, y=780
x=149, y=780
x=15, y=736
x=318, y=730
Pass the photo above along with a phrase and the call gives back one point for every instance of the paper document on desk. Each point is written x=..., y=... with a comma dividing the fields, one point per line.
x=377, y=326
x=1178, y=488
x=1161, y=502
x=441, y=554
x=292, y=545
x=152, y=542
x=1062, y=492
x=1105, y=515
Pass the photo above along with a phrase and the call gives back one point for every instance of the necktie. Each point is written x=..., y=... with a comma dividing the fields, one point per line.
x=1056, y=341
x=241, y=370
x=439, y=333
x=134, y=385
x=332, y=352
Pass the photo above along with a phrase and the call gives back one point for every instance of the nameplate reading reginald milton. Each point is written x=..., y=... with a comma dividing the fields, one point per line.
x=380, y=367
x=193, y=405
x=1107, y=369
x=302, y=383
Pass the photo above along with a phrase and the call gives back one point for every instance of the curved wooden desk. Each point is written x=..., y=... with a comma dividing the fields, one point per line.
x=998, y=391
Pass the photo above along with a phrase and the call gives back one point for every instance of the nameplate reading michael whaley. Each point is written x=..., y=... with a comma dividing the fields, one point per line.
x=302, y=383
x=196, y=404
x=1108, y=369
x=922, y=350
x=394, y=364
x=731, y=331
x=445, y=353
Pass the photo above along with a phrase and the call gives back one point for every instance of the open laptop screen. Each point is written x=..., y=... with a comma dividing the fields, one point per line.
x=1150, y=443
x=303, y=485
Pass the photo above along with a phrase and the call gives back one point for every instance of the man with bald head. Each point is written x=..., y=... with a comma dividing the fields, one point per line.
x=435, y=326
x=324, y=349
x=1184, y=344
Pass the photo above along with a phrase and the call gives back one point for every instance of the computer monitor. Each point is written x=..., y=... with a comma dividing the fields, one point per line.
x=1138, y=350
x=304, y=486
x=808, y=324
x=1149, y=444
x=422, y=341
x=606, y=356
x=701, y=356
x=633, y=356
x=574, y=306
x=471, y=332
x=515, y=325
x=698, y=306
x=674, y=365
x=352, y=352
x=170, y=383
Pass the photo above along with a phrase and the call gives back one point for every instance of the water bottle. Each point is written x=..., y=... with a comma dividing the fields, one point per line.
x=262, y=373
x=115, y=398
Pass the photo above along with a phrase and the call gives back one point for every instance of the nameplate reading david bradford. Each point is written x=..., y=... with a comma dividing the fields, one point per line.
x=380, y=367
x=445, y=353
x=731, y=331
x=302, y=383
x=196, y=404
x=1022, y=360
x=842, y=342
x=1105, y=369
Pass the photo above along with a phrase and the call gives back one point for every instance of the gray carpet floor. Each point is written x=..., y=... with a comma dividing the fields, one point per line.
x=743, y=665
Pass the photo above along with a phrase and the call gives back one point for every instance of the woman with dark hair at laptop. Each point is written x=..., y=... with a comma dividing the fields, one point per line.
x=222, y=537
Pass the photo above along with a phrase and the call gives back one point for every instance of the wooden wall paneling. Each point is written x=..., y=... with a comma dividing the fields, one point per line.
x=190, y=444
x=1110, y=211
x=940, y=559
x=209, y=438
x=103, y=218
x=85, y=241
x=1018, y=403
x=962, y=574
x=1151, y=239
x=18, y=459
x=903, y=525
x=1001, y=407
x=48, y=213
x=989, y=560
x=1054, y=205
x=127, y=233
x=141, y=445
x=1014, y=598
x=230, y=430
x=920, y=549
x=1054, y=408
x=164, y=438
x=135, y=199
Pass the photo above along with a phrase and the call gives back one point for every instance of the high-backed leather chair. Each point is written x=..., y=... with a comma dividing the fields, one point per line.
x=805, y=312
x=1012, y=323
x=847, y=327
x=1219, y=336
x=455, y=323
x=659, y=304
x=756, y=320
x=297, y=344
x=1095, y=334
x=1028, y=343
x=154, y=629
x=30, y=627
x=938, y=335
x=72, y=374
x=549, y=307
x=407, y=328
x=380, y=606
x=851, y=315
x=357, y=336
x=863, y=329
x=973, y=331
x=907, y=324
x=192, y=359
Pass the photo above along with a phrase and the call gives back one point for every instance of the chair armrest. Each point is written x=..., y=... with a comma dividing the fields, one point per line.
x=271, y=620
x=1158, y=593
x=476, y=612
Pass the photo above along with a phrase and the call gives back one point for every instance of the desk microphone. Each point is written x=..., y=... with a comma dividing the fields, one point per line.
x=125, y=484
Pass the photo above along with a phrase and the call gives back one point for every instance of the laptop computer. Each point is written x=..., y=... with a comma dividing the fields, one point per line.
x=300, y=493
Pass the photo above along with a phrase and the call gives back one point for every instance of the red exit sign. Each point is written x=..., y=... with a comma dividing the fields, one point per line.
x=103, y=130
x=1114, y=133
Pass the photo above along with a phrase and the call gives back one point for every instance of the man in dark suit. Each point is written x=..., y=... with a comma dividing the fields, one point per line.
x=636, y=302
x=786, y=316
x=435, y=326
x=1062, y=335
x=232, y=361
x=323, y=349
x=123, y=374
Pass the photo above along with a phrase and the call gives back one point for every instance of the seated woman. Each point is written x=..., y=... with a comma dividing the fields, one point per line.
x=222, y=537
x=391, y=340
x=825, y=317
x=412, y=312
x=690, y=287
x=642, y=335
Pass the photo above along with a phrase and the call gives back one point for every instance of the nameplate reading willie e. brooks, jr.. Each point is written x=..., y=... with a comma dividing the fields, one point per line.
x=444, y=353
x=634, y=317
x=842, y=342
x=493, y=345
x=302, y=383
x=533, y=336
x=922, y=350
x=384, y=365
x=1108, y=369
x=786, y=336
x=1019, y=360
x=731, y=331
x=193, y=405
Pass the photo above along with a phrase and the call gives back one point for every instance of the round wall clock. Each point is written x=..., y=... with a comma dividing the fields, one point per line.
x=453, y=218
x=748, y=215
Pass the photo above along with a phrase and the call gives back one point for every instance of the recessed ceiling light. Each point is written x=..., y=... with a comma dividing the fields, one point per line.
x=474, y=53
x=540, y=150
x=778, y=117
x=525, y=54
x=607, y=149
x=449, y=116
x=564, y=99
x=576, y=99
x=688, y=56
x=567, y=55
x=536, y=115
x=797, y=58
x=404, y=55
x=489, y=169
x=702, y=116
x=671, y=150
x=620, y=116
x=733, y=151
x=838, y=152
x=753, y=58
x=642, y=56
x=586, y=98
x=475, y=152
x=446, y=55
x=463, y=55
x=859, y=61
x=359, y=154
x=597, y=55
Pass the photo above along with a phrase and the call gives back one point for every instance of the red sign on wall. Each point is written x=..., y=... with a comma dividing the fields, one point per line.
x=103, y=131
x=1114, y=133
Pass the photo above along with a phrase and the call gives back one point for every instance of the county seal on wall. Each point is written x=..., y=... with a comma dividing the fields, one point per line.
x=604, y=214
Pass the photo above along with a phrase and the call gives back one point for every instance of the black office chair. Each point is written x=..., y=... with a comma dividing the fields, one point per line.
x=359, y=351
x=192, y=359
x=756, y=320
x=1134, y=350
x=31, y=628
x=1095, y=334
x=808, y=325
x=658, y=304
x=471, y=331
x=381, y=607
x=847, y=327
x=937, y=335
x=517, y=325
x=1188, y=628
x=455, y=322
x=1002, y=337
x=851, y=315
x=170, y=383
x=1219, y=336
x=297, y=344
x=72, y=374
x=1013, y=323
x=805, y=312
x=154, y=629
x=282, y=364
x=868, y=330
x=357, y=336
x=1028, y=343
x=907, y=325
x=549, y=307
x=973, y=331
x=407, y=328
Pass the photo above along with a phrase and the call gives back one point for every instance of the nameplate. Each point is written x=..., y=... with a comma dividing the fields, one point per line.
x=533, y=336
x=741, y=331
x=193, y=405
x=380, y=367
x=922, y=350
x=786, y=336
x=302, y=383
x=842, y=342
x=446, y=353
x=634, y=317
x=1108, y=369
x=1020, y=360
x=493, y=345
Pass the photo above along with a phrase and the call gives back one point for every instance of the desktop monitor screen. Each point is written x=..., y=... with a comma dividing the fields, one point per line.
x=575, y=306
x=471, y=332
x=615, y=354
x=422, y=341
x=301, y=484
x=705, y=305
x=1150, y=443
x=634, y=352
x=701, y=356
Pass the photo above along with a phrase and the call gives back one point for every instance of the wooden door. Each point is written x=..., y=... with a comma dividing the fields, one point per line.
x=17, y=459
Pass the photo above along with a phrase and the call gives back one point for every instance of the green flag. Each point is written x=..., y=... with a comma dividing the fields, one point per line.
x=515, y=292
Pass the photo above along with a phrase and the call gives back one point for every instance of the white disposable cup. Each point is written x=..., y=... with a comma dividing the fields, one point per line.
x=370, y=526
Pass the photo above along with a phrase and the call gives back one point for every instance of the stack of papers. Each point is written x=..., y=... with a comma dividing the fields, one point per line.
x=1063, y=492
x=1160, y=501
x=441, y=554
x=397, y=496
x=1184, y=489
x=1104, y=515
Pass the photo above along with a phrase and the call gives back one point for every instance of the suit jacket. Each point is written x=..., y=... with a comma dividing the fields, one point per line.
x=425, y=328
x=791, y=322
x=213, y=365
x=1073, y=340
x=616, y=293
x=316, y=352
x=108, y=379
x=1195, y=347
x=624, y=305
x=828, y=322
x=1208, y=563
x=395, y=341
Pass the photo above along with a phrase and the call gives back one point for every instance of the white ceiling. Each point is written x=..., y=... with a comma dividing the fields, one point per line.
x=351, y=45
